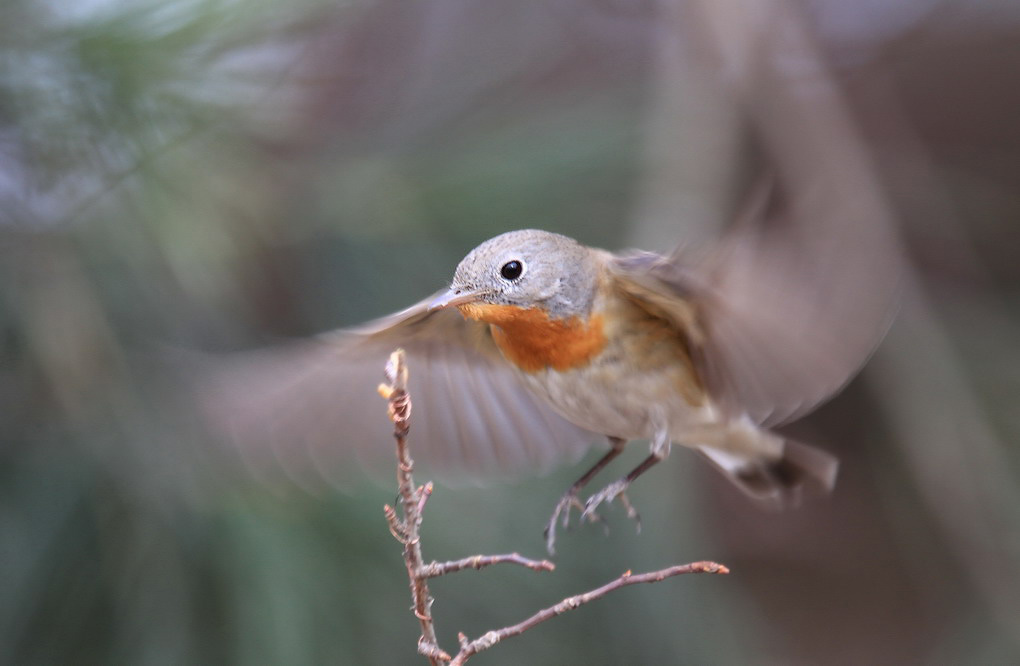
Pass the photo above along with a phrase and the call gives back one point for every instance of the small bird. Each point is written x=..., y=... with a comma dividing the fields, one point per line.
x=541, y=346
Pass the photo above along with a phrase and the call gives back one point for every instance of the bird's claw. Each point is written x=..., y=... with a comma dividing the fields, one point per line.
x=567, y=502
x=608, y=494
x=631, y=511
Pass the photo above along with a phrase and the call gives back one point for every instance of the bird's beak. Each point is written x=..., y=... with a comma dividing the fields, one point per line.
x=453, y=297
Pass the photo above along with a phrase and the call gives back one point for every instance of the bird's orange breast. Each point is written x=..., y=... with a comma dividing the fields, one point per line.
x=533, y=341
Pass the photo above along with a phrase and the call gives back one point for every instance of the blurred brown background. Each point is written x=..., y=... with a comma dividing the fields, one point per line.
x=226, y=174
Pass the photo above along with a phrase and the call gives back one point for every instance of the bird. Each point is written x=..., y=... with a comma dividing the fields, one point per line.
x=542, y=346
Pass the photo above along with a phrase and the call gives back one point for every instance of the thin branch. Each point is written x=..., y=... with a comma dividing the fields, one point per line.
x=406, y=529
x=487, y=640
x=434, y=569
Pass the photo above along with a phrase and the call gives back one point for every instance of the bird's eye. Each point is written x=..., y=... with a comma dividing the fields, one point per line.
x=511, y=270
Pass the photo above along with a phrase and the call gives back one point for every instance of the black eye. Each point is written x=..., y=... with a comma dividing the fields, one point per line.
x=511, y=270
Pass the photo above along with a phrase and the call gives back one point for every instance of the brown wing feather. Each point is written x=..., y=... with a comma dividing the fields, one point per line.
x=312, y=406
x=785, y=310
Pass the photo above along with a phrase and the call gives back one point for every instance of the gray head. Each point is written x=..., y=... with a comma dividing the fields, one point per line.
x=527, y=268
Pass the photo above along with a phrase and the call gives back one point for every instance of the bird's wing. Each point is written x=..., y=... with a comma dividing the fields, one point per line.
x=785, y=310
x=312, y=406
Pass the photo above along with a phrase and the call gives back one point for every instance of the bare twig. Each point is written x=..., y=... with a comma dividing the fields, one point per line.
x=406, y=530
x=487, y=640
x=481, y=561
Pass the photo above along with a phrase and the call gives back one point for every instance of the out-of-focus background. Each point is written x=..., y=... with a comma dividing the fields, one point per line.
x=218, y=175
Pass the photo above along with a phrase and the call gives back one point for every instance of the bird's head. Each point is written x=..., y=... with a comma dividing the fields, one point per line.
x=524, y=269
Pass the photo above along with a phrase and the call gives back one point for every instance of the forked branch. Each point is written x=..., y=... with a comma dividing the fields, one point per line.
x=406, y=529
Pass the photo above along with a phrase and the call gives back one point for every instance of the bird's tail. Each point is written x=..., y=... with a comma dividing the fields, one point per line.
x=778, y=483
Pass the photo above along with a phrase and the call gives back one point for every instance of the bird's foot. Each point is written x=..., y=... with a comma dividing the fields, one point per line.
x=607, y=495
x=561, y=514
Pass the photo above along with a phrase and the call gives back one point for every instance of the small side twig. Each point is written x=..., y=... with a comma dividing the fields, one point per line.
x=405, y=529
x=481, y=561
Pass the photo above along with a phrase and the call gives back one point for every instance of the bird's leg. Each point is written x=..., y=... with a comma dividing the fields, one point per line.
x=660, y=451
x=569, y=499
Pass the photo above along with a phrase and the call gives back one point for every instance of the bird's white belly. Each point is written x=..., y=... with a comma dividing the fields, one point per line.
x=601, y=398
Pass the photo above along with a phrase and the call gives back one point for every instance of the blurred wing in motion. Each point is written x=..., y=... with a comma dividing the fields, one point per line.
x=313, y=405
x=790, y=304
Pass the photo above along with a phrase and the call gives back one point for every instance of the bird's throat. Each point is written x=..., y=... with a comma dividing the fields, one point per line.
x=533, y=341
